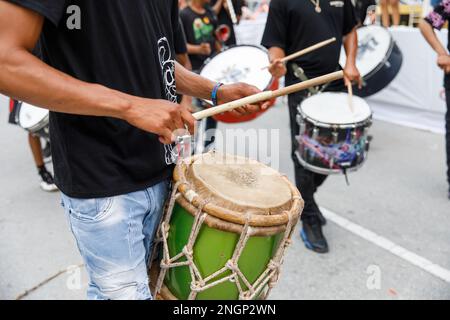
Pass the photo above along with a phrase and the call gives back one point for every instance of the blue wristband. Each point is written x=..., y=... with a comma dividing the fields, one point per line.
x=214, y=93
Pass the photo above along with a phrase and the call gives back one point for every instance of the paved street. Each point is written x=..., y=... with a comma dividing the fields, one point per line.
x=400, y=195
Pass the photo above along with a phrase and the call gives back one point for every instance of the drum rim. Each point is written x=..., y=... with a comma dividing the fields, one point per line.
x=39, y=126
x=365, y=123
x=230, y=217
x=380, y=66
x=324, y=171
x=207, y=61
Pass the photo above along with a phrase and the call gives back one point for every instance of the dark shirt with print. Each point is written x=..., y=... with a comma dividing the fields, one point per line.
x=199, y=28
x=437, y=19
x=123, y=45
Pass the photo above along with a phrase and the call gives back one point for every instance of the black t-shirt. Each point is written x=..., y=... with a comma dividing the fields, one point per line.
x=295, y=25
x=199, y=28
x=224, y=18
x=180, y=40
x=123, y=45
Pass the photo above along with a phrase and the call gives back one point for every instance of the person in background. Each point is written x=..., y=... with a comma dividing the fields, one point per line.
x=293, y=25
x=220, y=8
x=395, y=8
x=199, y=24
x=437, y=19
x=47, y=183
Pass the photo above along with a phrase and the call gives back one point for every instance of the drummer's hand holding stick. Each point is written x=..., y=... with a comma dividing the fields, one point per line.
x=351, y=72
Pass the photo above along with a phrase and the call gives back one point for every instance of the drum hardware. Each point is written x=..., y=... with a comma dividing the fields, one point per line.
x=315, y=134
x=300, y=74
x=354, y=135
x=335, y=136
x=302, y=128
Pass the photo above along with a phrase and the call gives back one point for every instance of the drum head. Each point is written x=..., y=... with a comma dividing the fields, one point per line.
x=333, y=108
x=240, y=182
x=374, y=44
x=239, y=64
x=30, y=116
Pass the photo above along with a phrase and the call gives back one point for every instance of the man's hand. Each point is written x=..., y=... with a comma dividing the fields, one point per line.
x=352, y=75
x=237, y=91
x=277, y=69
x=443, y=62
x=160, y=117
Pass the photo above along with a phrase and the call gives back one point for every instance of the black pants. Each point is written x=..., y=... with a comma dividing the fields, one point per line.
x=307, y=182
x=447, y=134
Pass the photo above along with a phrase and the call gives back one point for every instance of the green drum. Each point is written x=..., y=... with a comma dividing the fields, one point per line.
x=226, y=229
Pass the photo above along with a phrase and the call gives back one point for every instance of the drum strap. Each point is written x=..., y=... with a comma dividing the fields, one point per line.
x=300, y=74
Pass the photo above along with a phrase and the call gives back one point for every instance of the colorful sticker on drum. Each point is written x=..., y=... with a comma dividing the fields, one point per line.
x=336, y=156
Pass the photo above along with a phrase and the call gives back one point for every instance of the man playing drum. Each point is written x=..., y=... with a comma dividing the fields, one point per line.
x=294, y=25
x=110, y=80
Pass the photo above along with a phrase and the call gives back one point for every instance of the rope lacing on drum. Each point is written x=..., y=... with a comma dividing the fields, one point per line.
x=231, y=271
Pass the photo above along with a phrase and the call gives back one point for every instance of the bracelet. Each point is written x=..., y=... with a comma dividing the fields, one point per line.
x=214, y=93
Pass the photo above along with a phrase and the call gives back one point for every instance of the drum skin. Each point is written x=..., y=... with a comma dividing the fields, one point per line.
x=212, y=250
x=229, y=117
x=377, y=81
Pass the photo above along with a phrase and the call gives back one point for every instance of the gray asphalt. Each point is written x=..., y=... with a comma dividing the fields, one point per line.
x=400, y=194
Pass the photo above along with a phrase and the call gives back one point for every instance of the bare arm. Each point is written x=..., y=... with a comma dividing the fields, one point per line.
x=431, y=38
x=351, y=46
x=351, y=49
x=217, y=7
x=26, y=78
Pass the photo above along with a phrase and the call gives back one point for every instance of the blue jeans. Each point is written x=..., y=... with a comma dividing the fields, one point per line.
x=115, y=238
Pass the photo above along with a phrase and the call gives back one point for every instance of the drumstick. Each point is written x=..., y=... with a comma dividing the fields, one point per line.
x=268, y=95
x=232, y=12
x=305, y=51
x=350, y=97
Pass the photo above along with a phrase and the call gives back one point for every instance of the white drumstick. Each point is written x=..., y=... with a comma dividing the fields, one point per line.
x=232, y=12
x=305, y=51
x=350, y=97
x=268, y=95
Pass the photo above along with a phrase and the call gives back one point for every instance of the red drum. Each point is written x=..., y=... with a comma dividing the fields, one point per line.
x=242, y=63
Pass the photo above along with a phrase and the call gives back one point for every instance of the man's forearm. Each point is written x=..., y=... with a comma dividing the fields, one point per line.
x=431, y=38
x=192, y=84
x=276, y=53
x=351, y=46
x=26, y=78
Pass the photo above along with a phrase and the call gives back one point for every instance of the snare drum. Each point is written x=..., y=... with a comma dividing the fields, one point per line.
x=332, y=138
x=227, y=226
x=379, y=59
x=34, y=119
x=242, y=63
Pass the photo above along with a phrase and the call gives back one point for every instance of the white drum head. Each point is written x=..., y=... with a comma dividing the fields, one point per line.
x=30, y=116
x=374, y=43
x=333, y=108
x=239, y=64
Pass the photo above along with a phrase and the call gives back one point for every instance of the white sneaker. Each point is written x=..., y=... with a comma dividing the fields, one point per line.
x=47, y=183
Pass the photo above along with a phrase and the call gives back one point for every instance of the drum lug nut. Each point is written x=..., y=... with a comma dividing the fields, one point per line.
x=354, y=136
x=315, y=134
x=335, y=136
x=302, y=128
